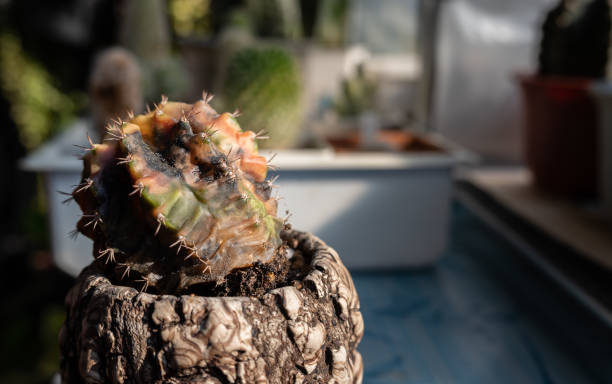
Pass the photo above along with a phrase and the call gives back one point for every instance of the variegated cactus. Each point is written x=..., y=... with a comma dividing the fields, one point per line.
x=176, y=197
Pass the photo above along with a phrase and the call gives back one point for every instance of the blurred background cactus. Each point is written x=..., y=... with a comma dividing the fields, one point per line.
x=357, y=94
x=265, y=84
x=576, y=39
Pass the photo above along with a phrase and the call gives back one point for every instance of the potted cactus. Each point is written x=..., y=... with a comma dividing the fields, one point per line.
x=195, y=278
x=560, y=114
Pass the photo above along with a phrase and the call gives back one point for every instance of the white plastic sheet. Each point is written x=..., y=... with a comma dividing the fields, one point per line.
x=482, y=44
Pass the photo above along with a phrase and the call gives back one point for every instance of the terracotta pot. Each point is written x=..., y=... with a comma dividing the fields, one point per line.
x=561, y=134
x=305, y=332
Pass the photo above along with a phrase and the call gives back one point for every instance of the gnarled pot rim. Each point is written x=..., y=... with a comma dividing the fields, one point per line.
x=304, y=332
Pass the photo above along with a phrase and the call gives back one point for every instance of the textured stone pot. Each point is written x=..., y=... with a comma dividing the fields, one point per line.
x=306, y=332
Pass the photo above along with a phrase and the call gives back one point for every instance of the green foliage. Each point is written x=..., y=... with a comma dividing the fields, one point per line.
x=265, y=84
x=32, y=318
x=51, y=322
x=190, y=17
x=30, y=346
x=33, y=221
x=38, y=106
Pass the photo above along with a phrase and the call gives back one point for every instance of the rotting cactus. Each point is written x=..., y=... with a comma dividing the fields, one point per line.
x=178, y=197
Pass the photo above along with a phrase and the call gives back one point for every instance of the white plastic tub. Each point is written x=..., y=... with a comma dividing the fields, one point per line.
x=378, y=210
x=57, y=161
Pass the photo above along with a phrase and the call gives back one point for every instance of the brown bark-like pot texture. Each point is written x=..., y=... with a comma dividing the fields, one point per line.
x=305, y=331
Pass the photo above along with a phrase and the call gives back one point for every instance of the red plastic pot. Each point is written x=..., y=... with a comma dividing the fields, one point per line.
x=560, y=134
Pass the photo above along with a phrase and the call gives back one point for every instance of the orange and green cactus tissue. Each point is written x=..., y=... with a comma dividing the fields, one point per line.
x=178, y=197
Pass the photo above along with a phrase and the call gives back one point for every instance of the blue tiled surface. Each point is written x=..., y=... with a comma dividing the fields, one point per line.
x=461, y=323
